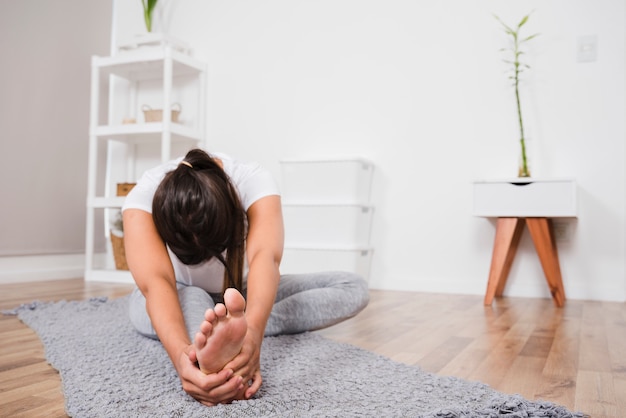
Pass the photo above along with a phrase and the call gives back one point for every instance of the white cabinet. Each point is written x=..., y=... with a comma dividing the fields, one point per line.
x=122, y=144
x=327, y=214
x=549, y=198
x=522, y=202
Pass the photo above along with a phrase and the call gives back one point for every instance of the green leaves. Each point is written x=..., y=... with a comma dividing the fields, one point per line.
x=148, y=5
x=524, y=20
x=514, y=33
x=506, y=28
x=517, y=68
x=530, y=37
x=516, y=43
x=148, y=8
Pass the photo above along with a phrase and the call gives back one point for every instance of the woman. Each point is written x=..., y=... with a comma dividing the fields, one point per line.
x=204, y=241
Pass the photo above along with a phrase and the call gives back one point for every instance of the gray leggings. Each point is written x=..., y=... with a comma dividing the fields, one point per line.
x=304, y=302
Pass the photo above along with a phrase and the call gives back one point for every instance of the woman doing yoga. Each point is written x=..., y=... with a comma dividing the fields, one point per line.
x=204, y=241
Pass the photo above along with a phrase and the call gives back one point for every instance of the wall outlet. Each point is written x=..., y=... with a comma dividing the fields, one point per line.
x=562, y=230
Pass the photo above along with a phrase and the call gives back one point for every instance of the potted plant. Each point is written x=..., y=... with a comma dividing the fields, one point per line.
x=517, y=67
x=117, y=242
x=148, y=9
x=117, y=230
x=151, y=39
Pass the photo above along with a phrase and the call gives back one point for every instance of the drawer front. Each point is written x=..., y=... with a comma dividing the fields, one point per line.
x=327, y=181
x=519, y=199
x=299, y=261
x=327, y=226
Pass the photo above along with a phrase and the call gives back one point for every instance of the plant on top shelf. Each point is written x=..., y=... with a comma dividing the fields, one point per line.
x=117, y=224
x=517, y=68
x=148, y=8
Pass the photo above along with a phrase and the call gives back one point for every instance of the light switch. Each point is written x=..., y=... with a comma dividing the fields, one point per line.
x=587, y=50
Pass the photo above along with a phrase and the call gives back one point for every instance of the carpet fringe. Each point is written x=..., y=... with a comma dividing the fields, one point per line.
x=512, y=407
x=38, y=304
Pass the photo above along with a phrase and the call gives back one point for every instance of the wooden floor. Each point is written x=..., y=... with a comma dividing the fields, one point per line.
x=575, y=356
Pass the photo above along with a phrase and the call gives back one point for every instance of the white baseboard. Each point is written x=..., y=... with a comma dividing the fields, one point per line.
x=41, y=267
x=614, y=292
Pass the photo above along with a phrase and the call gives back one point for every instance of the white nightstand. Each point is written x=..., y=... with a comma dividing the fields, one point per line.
x=522, y=201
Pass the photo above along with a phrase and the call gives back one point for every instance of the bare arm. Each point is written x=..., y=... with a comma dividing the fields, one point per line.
x=264, y=250
x=152, y=270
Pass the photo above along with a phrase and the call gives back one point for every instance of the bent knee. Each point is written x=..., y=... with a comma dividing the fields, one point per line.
x=138, y=315
x=358, y=290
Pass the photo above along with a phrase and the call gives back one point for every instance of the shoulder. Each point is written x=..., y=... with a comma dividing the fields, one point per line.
x=251, y=179
x=140, y=197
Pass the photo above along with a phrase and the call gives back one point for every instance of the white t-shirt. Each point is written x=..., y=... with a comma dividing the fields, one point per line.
x=252, y=182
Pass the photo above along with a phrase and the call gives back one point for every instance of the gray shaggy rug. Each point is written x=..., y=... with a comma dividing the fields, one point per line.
x=108, y=370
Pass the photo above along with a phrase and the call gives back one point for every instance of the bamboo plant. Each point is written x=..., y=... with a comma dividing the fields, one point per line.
x=148, y=8
x=517, y=68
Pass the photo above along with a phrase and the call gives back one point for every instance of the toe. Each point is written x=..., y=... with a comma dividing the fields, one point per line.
x=220, y=310
x=210, y=315
x=234, y=301
x=199, y=340
x=206, y=328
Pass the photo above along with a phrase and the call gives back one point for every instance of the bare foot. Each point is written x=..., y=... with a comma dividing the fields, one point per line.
x=221, y=333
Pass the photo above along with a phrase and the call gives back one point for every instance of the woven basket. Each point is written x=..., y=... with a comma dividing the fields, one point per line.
x=124, y=188
x=119, y=254
x=117, y=242
x=156, y=115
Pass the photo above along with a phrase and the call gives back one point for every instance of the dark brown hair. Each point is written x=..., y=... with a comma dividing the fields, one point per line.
x=198, y=214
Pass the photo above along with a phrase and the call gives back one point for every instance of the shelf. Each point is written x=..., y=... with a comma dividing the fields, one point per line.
x=317, y=247
x=302, y=260
x=334, y=180
x=328, y=204
x=136, y=130
x=327, y=214
x=363, y=161
x=124, y=150
x=323, y=226
x=147, y=64
x=106, y=202
x=106, y=275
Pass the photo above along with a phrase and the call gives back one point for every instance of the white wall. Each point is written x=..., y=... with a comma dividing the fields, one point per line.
x=44, y=118
x=419, y=88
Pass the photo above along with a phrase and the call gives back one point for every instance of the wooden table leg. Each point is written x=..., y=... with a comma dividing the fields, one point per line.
x=508, y=233
x=541, y=233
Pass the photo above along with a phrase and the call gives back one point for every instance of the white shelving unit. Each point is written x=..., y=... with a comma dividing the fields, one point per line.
x=328, y=215
x=120, y=151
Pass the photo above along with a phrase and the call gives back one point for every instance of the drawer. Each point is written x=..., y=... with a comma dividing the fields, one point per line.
x=300, y=260
x=328, y=181
x=324, y=225
x=525, y=198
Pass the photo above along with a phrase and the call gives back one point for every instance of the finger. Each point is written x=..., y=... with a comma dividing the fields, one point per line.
x=228, y=391
x=216, y=388
x=257, y=380
x=238, y=364
x=241, y=359
x=193, y=357
x=207, y=382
